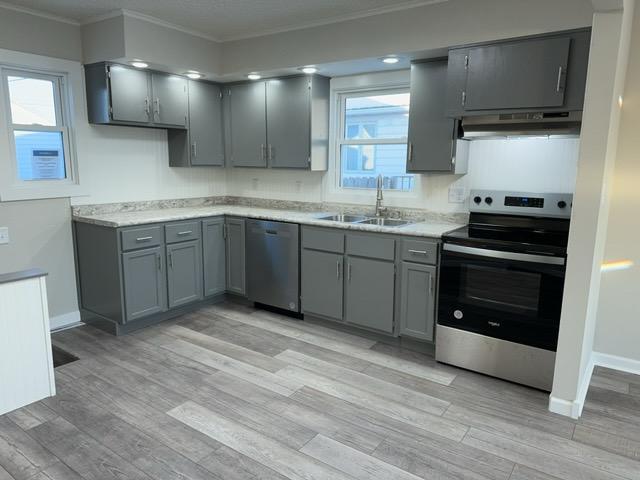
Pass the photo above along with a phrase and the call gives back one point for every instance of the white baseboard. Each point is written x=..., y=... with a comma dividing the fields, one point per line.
x=614, y=362
x=66, y=320
x=574, y=408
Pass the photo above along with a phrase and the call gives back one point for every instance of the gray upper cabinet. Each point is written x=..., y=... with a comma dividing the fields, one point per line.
x=289, y=122
x=144, y=283
x=248, y=124
x=544, y=73
x=370, y=293
x=235, y=246
x=184, y=272
x=280, y=123
x=417, y=302
x=203, y=143
x=121, y=95
x=433, y=143
x=214, y=259
x=129, y=94
x=169, y=99
x=322, y=283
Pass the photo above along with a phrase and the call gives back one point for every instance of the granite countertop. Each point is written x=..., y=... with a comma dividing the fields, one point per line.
x=433, y=229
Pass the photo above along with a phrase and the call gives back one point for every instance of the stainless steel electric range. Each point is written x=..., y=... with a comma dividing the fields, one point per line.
x=501, y=285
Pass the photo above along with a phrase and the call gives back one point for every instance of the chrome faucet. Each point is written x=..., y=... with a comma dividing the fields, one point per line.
x=379, y=208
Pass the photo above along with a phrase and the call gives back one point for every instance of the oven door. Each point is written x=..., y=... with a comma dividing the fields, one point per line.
x=507, y=295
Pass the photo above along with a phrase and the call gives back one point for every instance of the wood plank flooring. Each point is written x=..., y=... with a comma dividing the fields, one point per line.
x=233, y=393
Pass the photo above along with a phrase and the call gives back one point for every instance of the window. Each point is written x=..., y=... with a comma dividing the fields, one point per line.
x=372, y=139
x=37, y=125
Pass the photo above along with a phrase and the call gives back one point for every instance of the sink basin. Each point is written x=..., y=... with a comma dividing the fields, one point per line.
x=344, y=218
x=385, y=222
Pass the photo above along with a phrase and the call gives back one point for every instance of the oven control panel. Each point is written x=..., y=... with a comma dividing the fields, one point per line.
x=556, y=205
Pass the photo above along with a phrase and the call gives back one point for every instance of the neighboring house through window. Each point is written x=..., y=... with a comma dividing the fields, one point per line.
x=372, y=139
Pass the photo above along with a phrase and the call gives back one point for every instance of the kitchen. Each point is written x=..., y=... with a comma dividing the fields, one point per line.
x=339, y=200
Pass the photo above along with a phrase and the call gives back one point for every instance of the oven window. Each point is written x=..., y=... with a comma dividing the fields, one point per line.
x=501, y=288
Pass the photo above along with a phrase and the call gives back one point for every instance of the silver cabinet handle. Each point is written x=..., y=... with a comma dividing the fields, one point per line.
x=410, y=155
x=146, y=106
x=431, y=284
x=159, y=261
x=157, y=108
x=143, y=239
x=338, y=269
x=194, y=149
x=559, y=78
x=170, y=260
x=418, y=252
x=270, y=154
x=186, y=232
x=263, y=151
x=349, y=273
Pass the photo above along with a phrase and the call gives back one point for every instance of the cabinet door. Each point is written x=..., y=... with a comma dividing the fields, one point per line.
x=525, y=74
x=248, y=125
x=370, y=293
x=169, y=99
x=205, y=124
x=129, y=91
x=235, y=256
x=184, y=273
x=214, y=262
x=431, y=133
x=144, y=283
x=417, y=307
x=289, y=122
x=322, y=283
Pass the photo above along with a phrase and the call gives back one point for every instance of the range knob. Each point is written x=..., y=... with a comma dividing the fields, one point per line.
x=488, y=200
x=562, y=204
x=477, y=199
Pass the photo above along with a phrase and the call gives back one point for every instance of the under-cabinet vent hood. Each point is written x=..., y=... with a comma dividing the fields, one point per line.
x=525, y=124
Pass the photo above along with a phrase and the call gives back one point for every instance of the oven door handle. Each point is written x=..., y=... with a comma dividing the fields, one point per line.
x=520, y=257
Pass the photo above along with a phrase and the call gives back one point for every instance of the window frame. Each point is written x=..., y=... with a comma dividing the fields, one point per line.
x=62, y=113
x=73, y=108
x=340, y=140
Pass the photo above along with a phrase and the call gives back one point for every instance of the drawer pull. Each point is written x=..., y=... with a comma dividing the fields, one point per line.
x=143, y=239
x=418, y=252
x=186, y=232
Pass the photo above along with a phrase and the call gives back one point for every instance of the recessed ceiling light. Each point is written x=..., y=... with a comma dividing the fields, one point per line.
x=254, y=76
x=193, y=75
x=139, y=64
x=309, y=70
x=390, y=60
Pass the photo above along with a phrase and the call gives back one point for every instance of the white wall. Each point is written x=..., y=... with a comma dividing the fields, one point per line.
x=618, y=323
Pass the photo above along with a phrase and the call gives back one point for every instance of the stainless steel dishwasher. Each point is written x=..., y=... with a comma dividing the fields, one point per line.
x=273, y=264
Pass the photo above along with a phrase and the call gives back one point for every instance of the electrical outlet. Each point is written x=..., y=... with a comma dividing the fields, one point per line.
x=4, y=235
x=457, y=194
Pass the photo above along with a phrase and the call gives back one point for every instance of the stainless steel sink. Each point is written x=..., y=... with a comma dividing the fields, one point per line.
x=344, y=218
x=385, y=222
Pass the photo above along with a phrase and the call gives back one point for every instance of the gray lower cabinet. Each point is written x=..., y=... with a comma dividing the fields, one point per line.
x=322, y=284
x=370, y=292
x=417, y=302
x=144, y=283
x=235, y=246
x=184, y=273
x=214, y=256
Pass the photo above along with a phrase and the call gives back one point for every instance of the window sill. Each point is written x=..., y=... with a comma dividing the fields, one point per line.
x=15, y=193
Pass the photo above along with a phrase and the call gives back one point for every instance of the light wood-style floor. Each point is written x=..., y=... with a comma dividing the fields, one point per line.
x=234, y=393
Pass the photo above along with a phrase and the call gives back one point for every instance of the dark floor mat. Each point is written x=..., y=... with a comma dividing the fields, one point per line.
x=61, y=357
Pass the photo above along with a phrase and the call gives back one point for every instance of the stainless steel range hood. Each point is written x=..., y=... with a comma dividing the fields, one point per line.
x=526, y=124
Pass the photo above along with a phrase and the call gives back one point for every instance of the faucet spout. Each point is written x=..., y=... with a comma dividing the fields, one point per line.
x=379, y=197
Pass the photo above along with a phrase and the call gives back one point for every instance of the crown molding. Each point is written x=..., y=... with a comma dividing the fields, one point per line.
x=39, y=13
x=339, y=19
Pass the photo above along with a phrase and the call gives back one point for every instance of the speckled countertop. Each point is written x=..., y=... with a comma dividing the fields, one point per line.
x=428, y=228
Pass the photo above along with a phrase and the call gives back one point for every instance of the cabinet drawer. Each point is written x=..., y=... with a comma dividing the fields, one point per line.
x=183, y=231
x=420, y=251
x=371, y=246
x=141, y=237
x=321, y=239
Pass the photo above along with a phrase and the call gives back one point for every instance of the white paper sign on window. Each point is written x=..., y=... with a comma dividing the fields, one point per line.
x=47, y=164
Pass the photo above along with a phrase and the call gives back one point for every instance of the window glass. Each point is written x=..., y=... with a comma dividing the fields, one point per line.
x=32, y=101
x=373, y=141
x=40, y=155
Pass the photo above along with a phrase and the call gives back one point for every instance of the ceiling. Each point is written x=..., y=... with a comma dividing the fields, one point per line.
x=224, y=19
